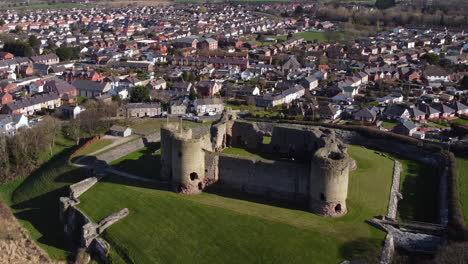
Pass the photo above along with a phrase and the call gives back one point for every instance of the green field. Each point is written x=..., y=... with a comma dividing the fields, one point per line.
x=314, y=36
x=144, y=162
x=462, y=164
x=164, y=227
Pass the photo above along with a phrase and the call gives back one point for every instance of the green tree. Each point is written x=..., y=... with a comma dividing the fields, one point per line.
x=2, y=22
x=140, y=93
x=33, y=41
x=384, y=4
x=193, y=94
x=18, y=29
x=18, y=48
x=67, y=53
x=299, y=11
x=431, y=58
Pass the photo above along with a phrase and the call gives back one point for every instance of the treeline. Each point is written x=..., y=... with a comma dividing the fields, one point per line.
x=31, y=147
x=95, y=120
x=25, y=151
x=19, y=48
x=396, y=16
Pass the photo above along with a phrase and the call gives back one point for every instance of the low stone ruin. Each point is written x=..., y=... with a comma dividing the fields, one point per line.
x=80, y=231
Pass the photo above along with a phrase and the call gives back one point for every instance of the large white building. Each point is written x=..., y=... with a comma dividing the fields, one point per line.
x=9, y=124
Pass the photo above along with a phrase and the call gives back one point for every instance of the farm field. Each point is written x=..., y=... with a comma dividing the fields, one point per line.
x=312, y=36
x=462, y=164
x=164, y=227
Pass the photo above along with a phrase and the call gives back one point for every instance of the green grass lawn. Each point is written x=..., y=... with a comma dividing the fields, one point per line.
x=154, y=125
x=266, y=140
x=312, y=36
x=462, y=164
x=144, y=163
x=419, y=185
x=34, y=199
x=164, y=227
x=460, y=121
x=435, y=125
x=389, y=124
x=95, y=147
x=258, y=155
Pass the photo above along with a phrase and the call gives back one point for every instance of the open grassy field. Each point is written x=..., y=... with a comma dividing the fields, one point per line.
x=34, y=199
x=164, y=227
x=313, y=36
x=144, y=162
x=462, y=164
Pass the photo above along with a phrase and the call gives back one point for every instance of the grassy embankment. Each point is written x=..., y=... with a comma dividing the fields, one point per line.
x=34, y=199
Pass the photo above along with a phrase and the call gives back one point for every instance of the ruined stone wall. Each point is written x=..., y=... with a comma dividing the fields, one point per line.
x=211, y=167
x=279, y=179
x=246, y=135
x=77, y=189
x=297, y=141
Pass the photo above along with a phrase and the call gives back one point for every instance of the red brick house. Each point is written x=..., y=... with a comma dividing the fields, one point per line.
x=209, y=44
x=6, y=55
x=8, y=87
x=5, y=98
x=66, y=91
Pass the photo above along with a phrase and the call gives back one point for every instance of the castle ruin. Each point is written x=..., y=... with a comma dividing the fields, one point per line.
x=312, y=165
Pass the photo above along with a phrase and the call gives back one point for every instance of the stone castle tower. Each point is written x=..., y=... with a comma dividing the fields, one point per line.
x=191, y=162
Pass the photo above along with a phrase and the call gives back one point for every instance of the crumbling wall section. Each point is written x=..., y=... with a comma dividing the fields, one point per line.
x=77, y=189
x=298, y=142
x=211, y=167
x=78, y=228
x=246, y=135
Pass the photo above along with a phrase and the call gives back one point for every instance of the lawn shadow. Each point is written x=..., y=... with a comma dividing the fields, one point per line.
x=42, y=212
x=147, y=166
x=267, y=199
x=420, y=190
x=362, y=250
x=115, y=179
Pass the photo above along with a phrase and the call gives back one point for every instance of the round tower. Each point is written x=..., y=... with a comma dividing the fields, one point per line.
x=329, y=181
x=188, y=165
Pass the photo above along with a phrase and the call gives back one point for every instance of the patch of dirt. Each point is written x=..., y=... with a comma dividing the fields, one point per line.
x=16, y=247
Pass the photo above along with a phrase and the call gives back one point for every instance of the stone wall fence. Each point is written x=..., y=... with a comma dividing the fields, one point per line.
x=79, y=229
